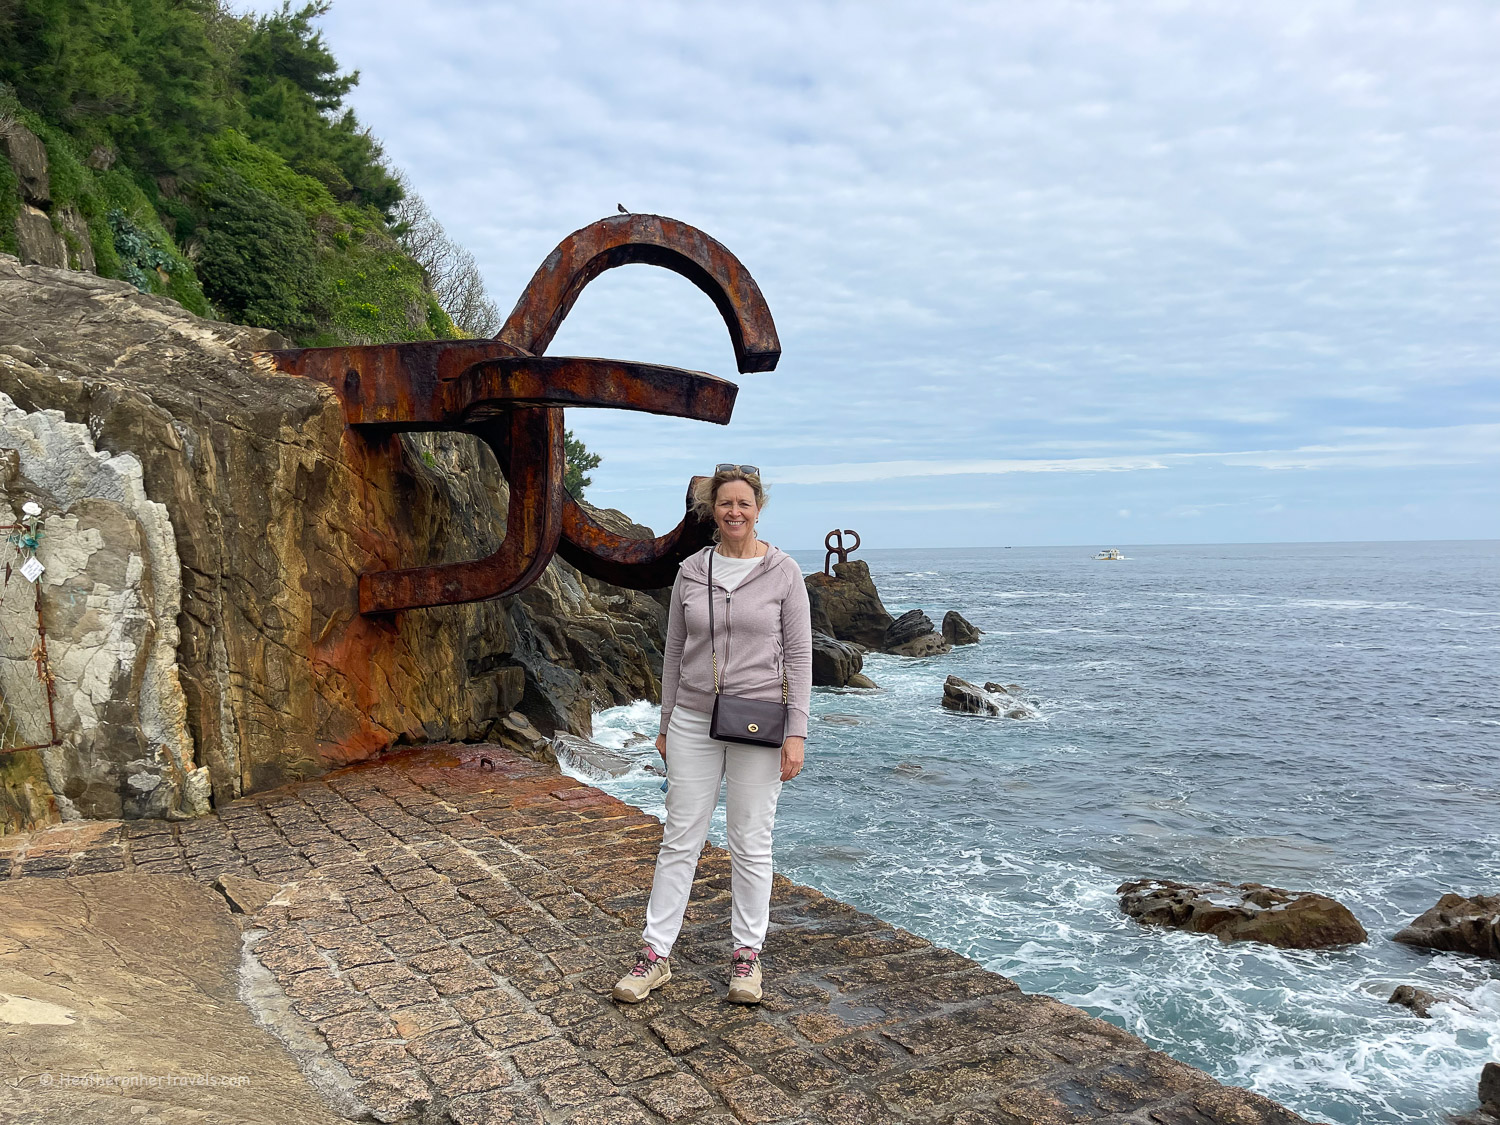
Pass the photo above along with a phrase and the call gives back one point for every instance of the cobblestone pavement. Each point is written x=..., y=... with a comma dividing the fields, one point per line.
x=452, y=919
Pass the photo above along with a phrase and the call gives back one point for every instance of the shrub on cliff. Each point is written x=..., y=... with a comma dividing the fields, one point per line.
x=257, y=258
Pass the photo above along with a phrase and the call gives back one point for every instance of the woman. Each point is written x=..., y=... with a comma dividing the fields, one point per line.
x=762, y=630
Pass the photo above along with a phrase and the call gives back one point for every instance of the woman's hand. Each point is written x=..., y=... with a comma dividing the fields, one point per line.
x=792, y=752
x=661, y=746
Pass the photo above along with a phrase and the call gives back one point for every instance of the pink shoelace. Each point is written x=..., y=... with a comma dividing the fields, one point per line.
x=644, y=962
x=742, y=964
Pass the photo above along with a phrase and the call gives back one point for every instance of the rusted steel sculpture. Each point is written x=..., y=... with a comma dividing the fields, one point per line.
x=506, y=392
x=838, y=548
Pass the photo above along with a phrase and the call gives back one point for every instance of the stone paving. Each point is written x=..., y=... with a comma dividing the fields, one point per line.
x=451, y=920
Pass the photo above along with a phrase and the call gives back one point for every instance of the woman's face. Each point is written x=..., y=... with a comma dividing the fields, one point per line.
x=735, y=512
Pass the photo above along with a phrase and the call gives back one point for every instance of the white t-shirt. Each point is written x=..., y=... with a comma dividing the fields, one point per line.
x=729, y=572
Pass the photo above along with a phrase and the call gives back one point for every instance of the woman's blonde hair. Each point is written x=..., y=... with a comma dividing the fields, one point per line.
x=707, y=491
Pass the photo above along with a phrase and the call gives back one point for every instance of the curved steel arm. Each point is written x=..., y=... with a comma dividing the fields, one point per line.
x=637, y=564
x=654, y=240
x=529, y=444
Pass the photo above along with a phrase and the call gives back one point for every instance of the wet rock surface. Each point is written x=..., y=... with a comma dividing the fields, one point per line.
x=251, y=511
x=995, y=700
x=912, y=634
x=1457, y=924
x=1243, y=912
x=834, y=663
x=450, y=936
x=958, y=631
x=1419, y=1000
x=1488, y=1112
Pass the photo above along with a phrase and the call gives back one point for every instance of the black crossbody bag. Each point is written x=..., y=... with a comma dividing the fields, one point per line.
x=753, y=722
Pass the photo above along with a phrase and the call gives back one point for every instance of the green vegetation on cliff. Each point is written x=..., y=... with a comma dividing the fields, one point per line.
x=213, y=160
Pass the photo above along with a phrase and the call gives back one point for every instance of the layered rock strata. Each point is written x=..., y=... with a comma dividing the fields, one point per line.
x=226, y=513
x=835, y=663
x=958, y=631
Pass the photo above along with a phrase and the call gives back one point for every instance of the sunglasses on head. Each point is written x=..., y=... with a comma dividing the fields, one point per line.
x=748, y=470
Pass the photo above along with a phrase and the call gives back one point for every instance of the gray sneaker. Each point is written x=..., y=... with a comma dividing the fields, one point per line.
x=744, y=977
x=650, y=971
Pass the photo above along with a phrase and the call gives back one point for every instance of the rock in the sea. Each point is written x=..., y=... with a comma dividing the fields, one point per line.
x=1488, y=1112
x=834, y=662
x=1243, y=912
x=860, y=680
x=841, y=720
x=958, y=631
x=1458, y=925
x=588, y=757
x=912, y=634
x=847, y=606
x=1489, y=1086
x=1419, y=1000
x=222, y=513
x=1002, y=689
x=960, y=695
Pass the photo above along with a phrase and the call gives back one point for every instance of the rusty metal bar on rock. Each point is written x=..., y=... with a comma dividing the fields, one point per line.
x=531, y=448
x=639, y=564
x=398, y=387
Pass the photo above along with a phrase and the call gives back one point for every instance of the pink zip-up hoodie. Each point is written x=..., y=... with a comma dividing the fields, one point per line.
x=763, y=626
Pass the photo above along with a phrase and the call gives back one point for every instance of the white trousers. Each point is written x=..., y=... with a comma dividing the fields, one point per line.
x=696, y=765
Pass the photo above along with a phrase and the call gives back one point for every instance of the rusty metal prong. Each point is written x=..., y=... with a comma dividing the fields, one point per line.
x=834, y=542
x=533, y=448
x=652, y=240
x=637, y=564
x=494, y=385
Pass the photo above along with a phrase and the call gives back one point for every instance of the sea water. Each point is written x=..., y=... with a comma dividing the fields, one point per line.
x=1321, y=717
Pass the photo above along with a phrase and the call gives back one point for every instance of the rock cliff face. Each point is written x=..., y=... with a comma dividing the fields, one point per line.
x=211, y=517
x=60, y=240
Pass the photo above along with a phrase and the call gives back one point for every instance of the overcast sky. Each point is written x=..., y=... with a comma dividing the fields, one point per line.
x=1044, y=273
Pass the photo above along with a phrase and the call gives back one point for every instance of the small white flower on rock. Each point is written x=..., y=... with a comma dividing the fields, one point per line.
x=31, y=508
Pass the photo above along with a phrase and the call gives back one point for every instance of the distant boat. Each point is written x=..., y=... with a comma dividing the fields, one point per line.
x=1110, y=554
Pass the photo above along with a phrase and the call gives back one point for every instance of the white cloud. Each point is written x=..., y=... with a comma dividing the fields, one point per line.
x=1035, y=238
x=1383, y=449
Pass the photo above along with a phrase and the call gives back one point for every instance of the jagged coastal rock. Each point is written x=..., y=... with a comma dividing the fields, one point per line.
x=206, y=520
x=992, y=699
x=1458, y=925
x=1419, y=1000
x=834, y=663
x=1488, y=1112
x=847, y=606
x=912, y=634
x=958, y=631
x=1243, y=912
